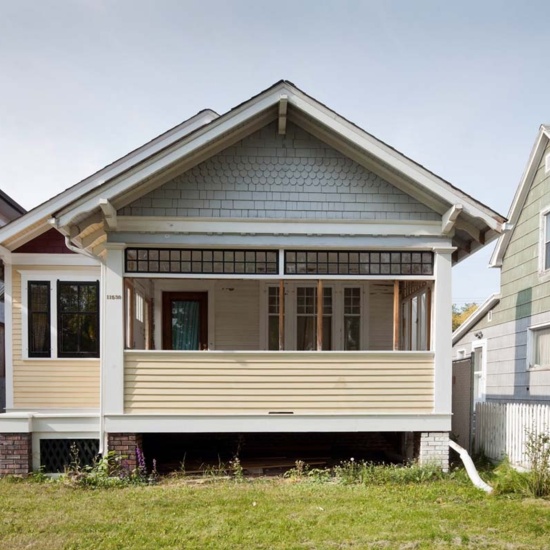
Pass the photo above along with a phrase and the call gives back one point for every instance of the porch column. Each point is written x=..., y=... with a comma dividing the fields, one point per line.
x=112, y=330
x=442, y=331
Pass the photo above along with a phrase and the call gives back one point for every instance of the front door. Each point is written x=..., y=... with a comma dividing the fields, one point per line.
x=185, y=320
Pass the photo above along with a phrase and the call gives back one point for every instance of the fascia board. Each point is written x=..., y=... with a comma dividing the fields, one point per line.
x=392, y=158
x=521, y=195
x=472, y=321
x=45, y=210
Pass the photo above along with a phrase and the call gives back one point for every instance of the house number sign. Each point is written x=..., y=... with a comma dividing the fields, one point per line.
x=114, y=297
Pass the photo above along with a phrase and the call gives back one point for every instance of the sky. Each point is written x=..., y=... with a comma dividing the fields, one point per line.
x=460, y=87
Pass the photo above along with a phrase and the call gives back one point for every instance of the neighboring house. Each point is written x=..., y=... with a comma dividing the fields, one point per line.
x=9, y=210
x=505, y=345
x=508, y=338
x=273, y=270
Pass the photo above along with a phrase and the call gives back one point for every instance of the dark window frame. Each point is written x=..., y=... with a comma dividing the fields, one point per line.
x=77, y=354
x=202, y=261
x=30, y=315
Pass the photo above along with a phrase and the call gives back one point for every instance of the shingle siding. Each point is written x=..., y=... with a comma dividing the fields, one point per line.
x=294, y=176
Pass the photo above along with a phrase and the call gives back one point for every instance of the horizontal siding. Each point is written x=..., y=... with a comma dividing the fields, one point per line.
x=237, y=315
x=50, y=383
x=264, y=382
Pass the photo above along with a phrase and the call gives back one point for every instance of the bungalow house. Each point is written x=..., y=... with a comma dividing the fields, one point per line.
x=274, y=270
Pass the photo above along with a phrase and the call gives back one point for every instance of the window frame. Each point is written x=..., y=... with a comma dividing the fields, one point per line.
x=544, y=218
x=78, y=354
x=482, y=373
x=290, y=312
x=53, y=277
x=531, y=343
x=33, y=354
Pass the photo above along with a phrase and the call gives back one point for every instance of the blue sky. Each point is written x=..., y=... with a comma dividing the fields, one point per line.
x=461, y=87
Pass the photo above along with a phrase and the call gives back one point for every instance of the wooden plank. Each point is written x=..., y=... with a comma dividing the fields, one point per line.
x=320, y=304
x=396, y=315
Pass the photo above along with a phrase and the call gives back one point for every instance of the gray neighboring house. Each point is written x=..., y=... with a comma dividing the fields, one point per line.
x=9, y=210
x=507, y=341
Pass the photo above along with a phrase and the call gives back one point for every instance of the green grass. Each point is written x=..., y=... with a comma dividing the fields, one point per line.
x=270, y=514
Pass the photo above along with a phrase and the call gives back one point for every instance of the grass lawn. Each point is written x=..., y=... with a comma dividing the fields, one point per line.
x=270, y=514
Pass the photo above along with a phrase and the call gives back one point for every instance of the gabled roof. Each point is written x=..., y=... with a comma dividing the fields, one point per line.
x=76, y=211
x=475, y=317
x=522, y=191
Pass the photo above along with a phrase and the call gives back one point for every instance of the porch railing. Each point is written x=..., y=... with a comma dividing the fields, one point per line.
x=267, y=382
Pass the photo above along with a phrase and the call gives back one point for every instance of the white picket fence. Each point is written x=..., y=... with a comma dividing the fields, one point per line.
x=502, y=429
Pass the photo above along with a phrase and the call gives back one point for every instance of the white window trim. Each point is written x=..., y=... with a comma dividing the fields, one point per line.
x=530, y=355
x=52, y=277
x=483, y=372
x=543, y=273
x=290, y=309
x=547, y=164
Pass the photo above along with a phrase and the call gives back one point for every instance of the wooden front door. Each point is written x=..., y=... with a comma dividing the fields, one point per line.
x=185, y=320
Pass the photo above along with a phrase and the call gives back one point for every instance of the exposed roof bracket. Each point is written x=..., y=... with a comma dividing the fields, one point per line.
x=449, y=218
x=283, y=108
x=109, y=213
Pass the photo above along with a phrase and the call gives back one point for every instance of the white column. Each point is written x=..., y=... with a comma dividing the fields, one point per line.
x=112, y=330
x=442, y=332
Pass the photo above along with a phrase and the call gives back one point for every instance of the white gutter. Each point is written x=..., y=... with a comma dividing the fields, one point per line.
x=470, y=468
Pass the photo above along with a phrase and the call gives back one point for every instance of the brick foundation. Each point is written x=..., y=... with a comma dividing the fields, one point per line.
x=125, y=444
x=15, y=454
x=434, y=449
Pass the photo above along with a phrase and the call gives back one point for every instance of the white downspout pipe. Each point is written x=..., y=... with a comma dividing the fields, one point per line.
x=470, y=468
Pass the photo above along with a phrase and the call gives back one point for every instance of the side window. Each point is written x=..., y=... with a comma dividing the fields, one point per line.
x=546, y=245
x=539, y=348
x=39, y=311
x=78, y=319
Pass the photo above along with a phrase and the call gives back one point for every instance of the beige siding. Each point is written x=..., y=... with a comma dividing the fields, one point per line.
x=381, y=316
x=237, y=315
x=264, y=382
x=50, y=383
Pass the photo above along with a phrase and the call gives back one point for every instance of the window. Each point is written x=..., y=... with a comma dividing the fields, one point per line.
x=273, y=306
x=344, y=322
x=78, y=319
x=479, y=364
x=60, y=317
x=538, y=342
x=415, y=320
x=39, y=319
x=546, y=242
x=306, y=318
x=352, y=319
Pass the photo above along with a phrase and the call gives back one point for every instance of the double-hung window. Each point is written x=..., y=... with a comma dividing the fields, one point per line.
x=62, y=318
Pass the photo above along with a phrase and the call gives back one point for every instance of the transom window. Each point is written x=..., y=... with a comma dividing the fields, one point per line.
x=171, y=260
x=342, y=262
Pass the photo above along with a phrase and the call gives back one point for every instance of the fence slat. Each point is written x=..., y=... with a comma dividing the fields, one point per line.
x=502, y=429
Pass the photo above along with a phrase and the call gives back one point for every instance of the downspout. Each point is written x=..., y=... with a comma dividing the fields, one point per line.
x=470, y=468
x=77, y=250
